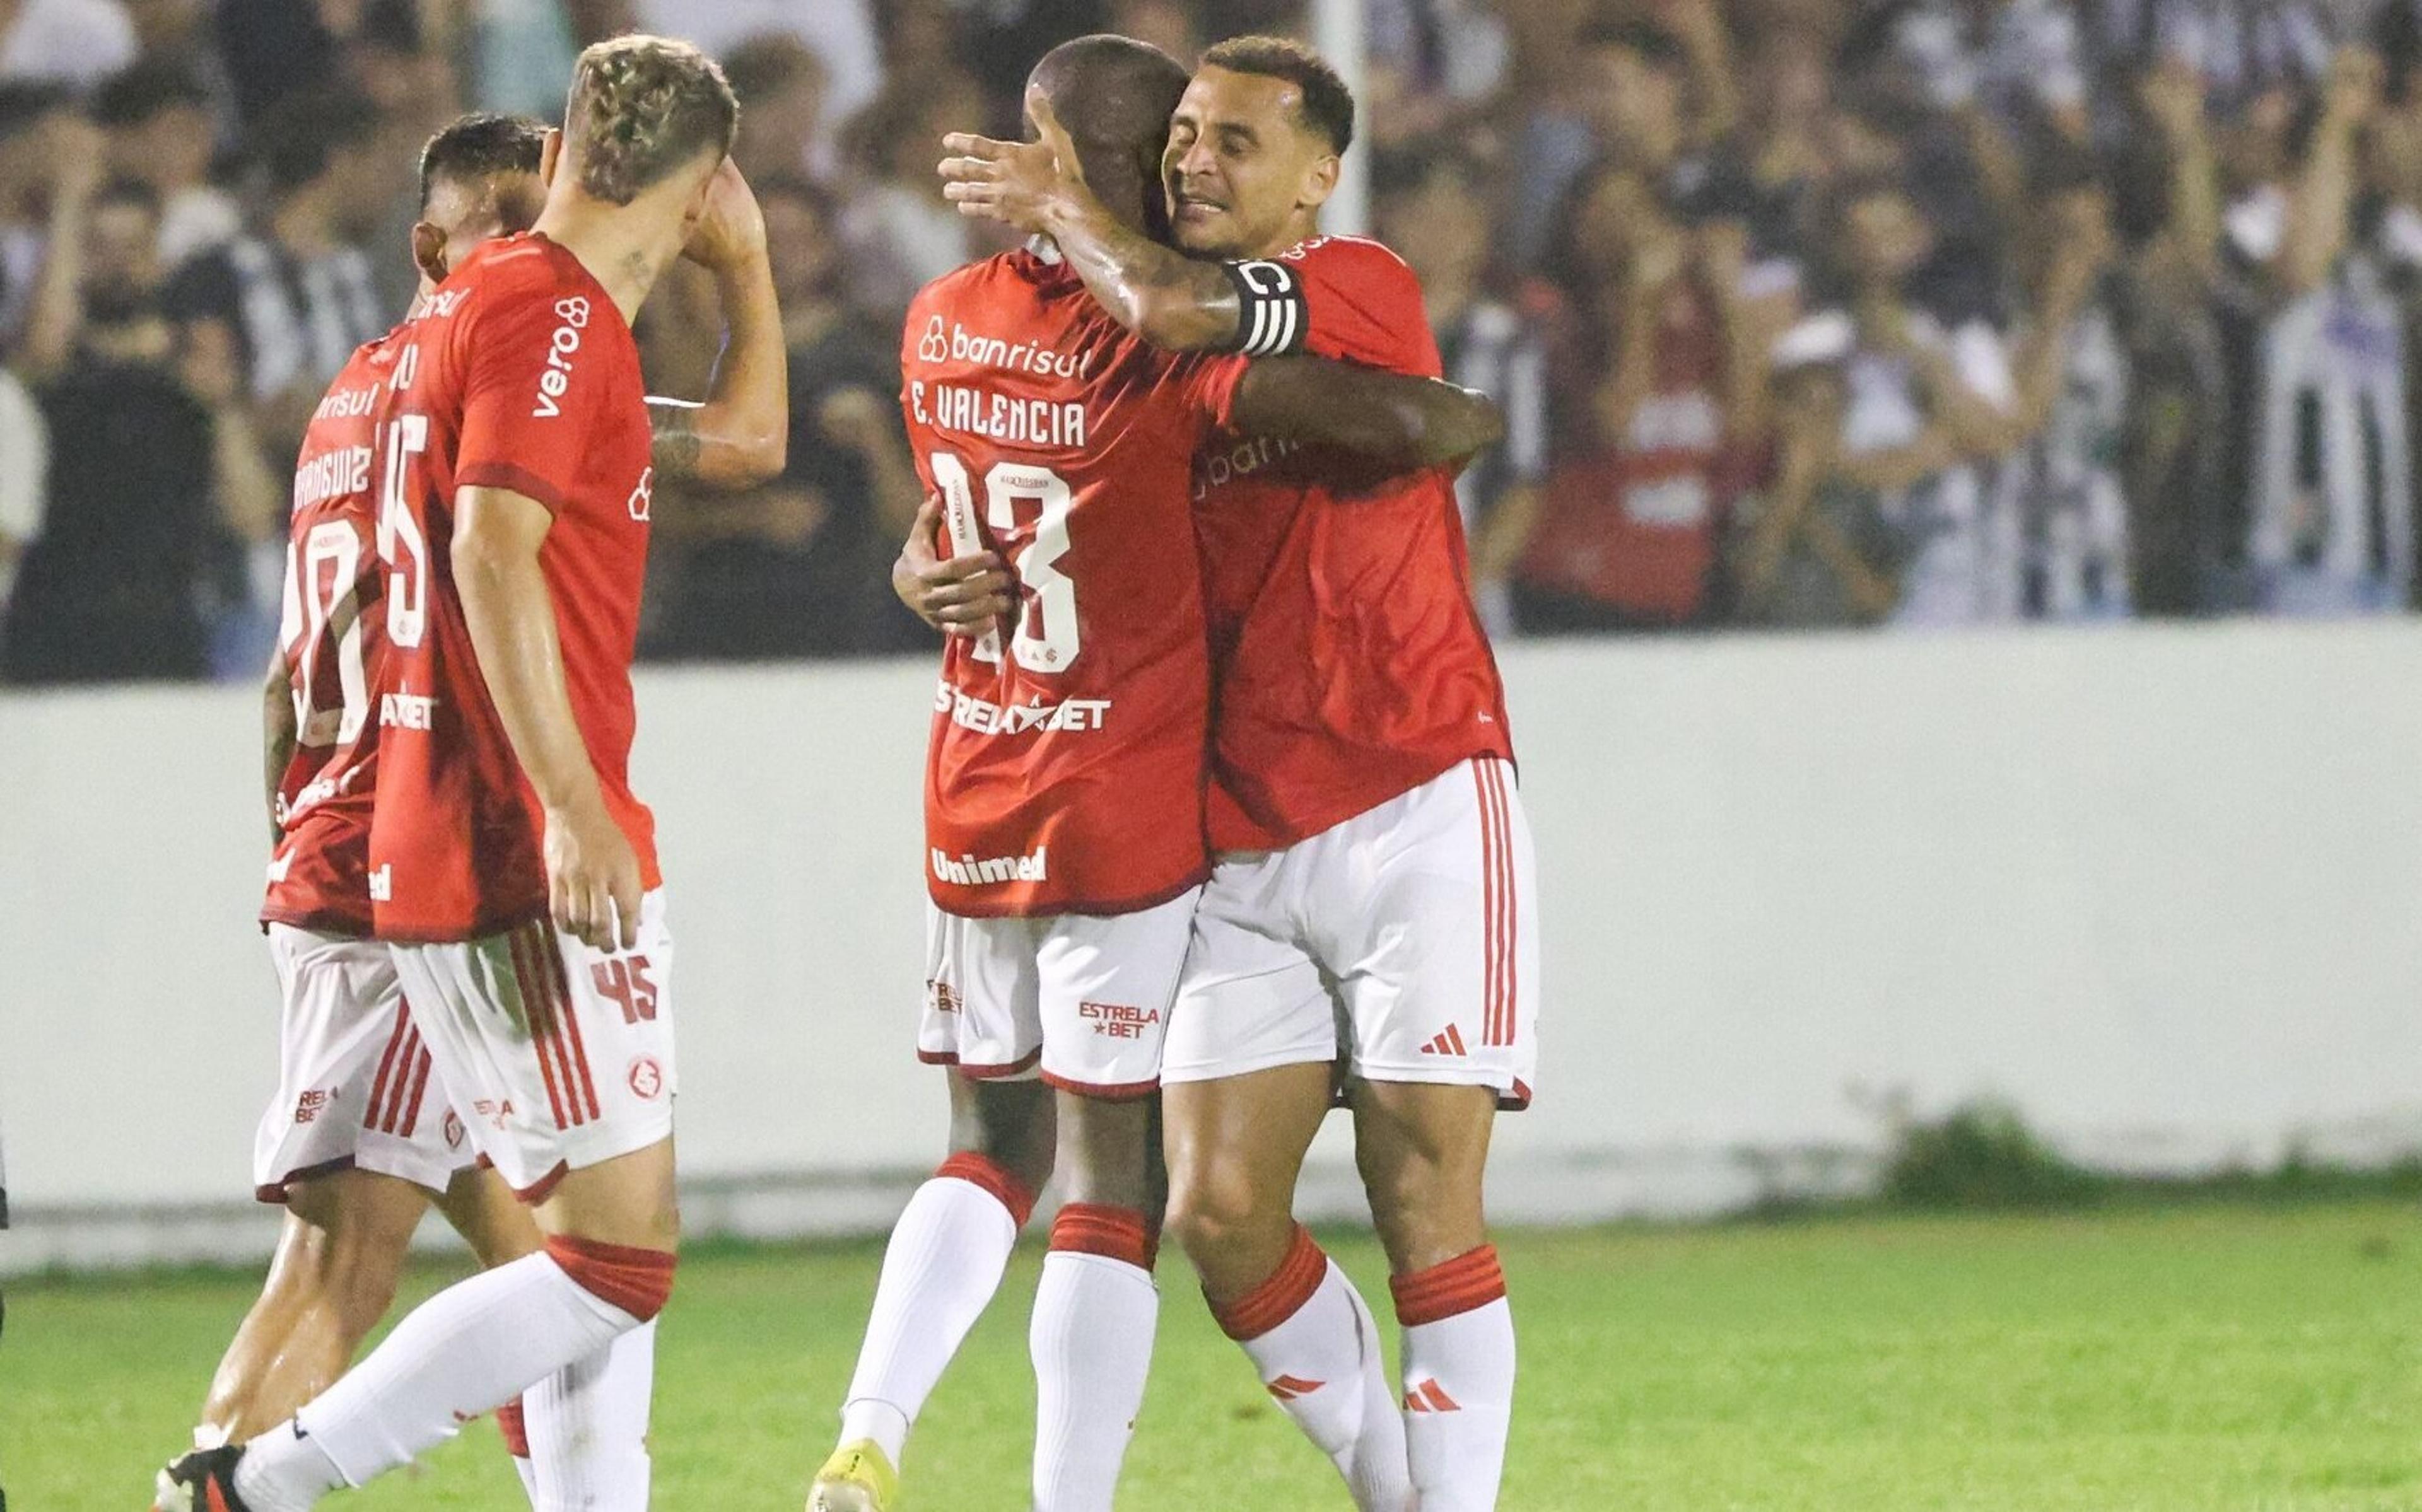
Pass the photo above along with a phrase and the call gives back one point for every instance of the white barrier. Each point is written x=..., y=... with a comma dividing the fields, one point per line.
x=2160, y=887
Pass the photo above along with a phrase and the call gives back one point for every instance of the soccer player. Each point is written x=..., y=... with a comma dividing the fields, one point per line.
x=1065, y=787
x=1373, y=851
x=508, y=859
x=353, y=1143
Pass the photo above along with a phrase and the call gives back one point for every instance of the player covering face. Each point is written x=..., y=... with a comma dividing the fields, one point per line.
x=491, y=693
x=1064, y=795
x=1374, y=859
x=354, y=1142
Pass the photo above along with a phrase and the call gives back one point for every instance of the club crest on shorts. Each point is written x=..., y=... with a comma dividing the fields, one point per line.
x=646, y=1077
x=452, y=1129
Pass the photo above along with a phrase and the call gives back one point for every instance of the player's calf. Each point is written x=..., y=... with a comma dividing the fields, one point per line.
x=338, y=1258
x=1096, y=1309
x=1423, y=1150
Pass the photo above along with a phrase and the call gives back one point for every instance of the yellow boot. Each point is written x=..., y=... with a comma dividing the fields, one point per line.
x=858, y=1478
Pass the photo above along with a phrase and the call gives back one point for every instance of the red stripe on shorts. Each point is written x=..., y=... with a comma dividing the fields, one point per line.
x=420, y=1085
x=1500, y=1028
x=404, y=1060
x=537, y=1014
x=386, y=1064
x=1487, y=894
x=571, y=1024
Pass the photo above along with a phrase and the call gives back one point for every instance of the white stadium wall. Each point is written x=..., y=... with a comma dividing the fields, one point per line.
x=2160, y=888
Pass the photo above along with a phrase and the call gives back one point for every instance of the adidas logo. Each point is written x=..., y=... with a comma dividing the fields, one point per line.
x=1429, y=1397
x=1287, y=1388
x=1448, y=1042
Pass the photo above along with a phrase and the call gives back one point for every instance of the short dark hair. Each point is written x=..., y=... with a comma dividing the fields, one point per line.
x=147, y=89
x=132, y=191
x=299, y=140
x=763, y=66
x=479, y=144
x=1327, y=103
x=641, y=107
x=1659, y=48
x=23, y=101
x=799, y=187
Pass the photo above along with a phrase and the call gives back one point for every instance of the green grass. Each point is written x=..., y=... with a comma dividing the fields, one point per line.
x=2207, y=1358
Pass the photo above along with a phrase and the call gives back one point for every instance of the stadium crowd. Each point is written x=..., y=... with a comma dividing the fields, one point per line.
x=1802, y=312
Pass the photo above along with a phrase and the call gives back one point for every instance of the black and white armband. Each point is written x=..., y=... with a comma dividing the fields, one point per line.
x=1272, y=318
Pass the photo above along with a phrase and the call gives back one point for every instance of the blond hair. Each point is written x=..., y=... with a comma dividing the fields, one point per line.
x=642, y=107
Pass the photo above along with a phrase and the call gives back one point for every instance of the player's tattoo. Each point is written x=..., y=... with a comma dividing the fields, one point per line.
x=677, y=444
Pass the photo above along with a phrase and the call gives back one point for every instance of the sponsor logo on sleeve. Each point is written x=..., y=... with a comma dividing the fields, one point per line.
x=557, y=375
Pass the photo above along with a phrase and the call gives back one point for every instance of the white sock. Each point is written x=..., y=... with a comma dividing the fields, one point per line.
x=1458, y=1380
x=464, y=1351
x=944, y=1263
x=588, y=1428
x=1320, y=1358
x=1090, y=1339
x=529, y=1473
x=513, y=1428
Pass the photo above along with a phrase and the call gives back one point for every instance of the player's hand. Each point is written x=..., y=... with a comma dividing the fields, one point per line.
x=592, y=878
x=958, y=596
x=1015, y=182
x=731, y=232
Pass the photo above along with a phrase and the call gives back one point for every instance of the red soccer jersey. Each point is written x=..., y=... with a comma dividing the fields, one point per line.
x=517, y=373
x=333, y=642
x=1350, y=663
x=1065, y=770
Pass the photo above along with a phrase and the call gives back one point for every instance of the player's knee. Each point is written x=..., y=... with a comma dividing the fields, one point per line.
x=1425, y=1210
x=636, y=1280
x=1213, y=1213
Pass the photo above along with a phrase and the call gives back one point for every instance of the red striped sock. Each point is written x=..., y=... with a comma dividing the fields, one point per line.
x=637, y=1280
x=1468, y=1281
x=1113, y=1233
x=983, y=1172
x=1280, y=1296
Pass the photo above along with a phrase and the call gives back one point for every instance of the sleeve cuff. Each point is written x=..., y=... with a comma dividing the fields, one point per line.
x=506, y=476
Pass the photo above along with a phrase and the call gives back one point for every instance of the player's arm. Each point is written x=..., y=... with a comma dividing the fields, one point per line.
x=1167, y=299
x=279, y=735
x=740, y=437
x=592, y=873
x=1401, y=422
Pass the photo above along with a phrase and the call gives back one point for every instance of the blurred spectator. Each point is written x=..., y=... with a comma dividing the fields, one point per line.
x=2329, y=508
x=49, y=154
x=158, y=116
x=72, y=42
x=1660, y=378
x=295, y=297
x=521, y=52
x=901, y=232
x=799, y=567
x=1811, y=546
x=135, y=555
x=25, y=467
x=782, y=84
x=1435, y=67
x=1435, y=210
x=841, y=32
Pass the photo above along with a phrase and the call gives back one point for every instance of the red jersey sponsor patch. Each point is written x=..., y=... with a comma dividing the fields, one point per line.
x=1065, y=769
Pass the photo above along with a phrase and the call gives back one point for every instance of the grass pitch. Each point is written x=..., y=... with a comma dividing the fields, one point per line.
x=2209, y=1358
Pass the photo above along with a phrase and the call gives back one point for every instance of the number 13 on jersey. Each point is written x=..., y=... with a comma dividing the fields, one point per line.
x=1047, y=638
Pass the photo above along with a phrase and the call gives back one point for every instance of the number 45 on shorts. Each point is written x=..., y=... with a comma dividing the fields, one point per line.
x=623, y=981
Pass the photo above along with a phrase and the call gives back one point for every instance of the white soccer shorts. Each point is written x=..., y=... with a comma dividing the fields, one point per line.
x=353, y=1080
x=560, y=1056
x=1414, y=923
x=1078, y=1000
